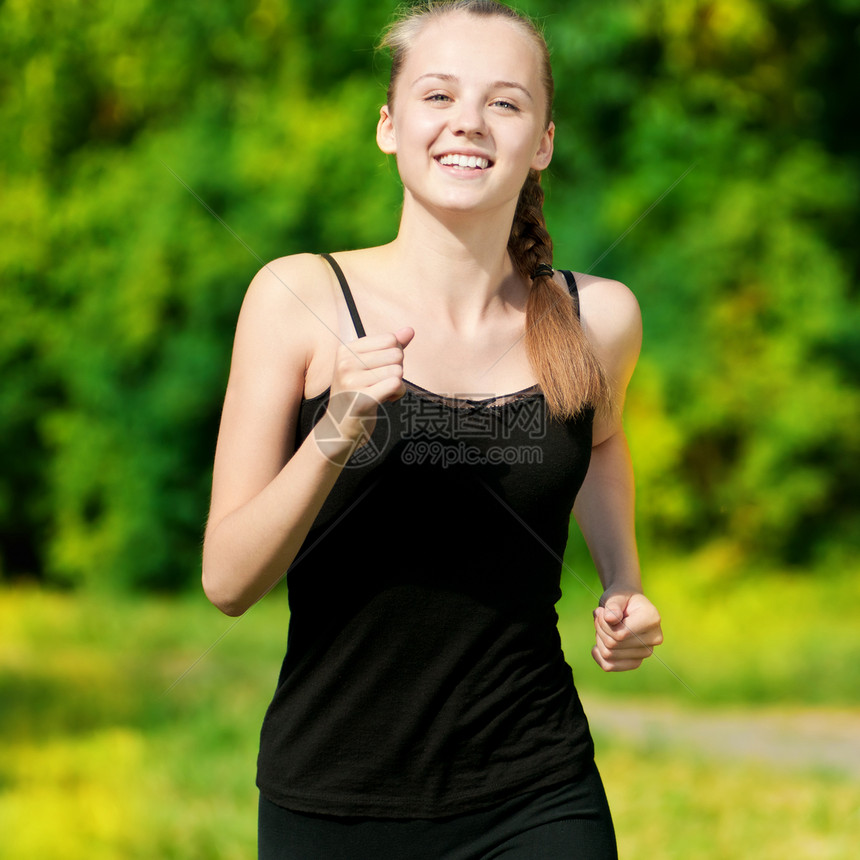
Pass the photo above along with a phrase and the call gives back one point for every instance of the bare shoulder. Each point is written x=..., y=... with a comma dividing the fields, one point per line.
x=293, y=289
x=273, y=343
x=610, y=313
x=612, y=321
x=278, y=324
x=287, y=300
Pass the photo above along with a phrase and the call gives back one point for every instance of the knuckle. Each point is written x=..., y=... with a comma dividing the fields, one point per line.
x=617, y=637
x=345, y=361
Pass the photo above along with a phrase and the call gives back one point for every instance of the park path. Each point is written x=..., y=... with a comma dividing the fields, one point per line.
x=823, y=739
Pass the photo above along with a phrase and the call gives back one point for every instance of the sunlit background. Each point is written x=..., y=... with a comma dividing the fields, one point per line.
x=156, y=154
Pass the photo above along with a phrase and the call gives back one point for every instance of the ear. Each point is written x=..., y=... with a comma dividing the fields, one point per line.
x=543, y=156
x=385, y=137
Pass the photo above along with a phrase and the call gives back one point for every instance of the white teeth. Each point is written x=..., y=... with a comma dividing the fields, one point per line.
x=464, y=161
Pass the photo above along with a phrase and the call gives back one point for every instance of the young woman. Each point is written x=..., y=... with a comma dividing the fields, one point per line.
x=406, y=429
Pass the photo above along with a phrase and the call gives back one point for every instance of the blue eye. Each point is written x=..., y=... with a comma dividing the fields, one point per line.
x=437, y=97
x=506, y=105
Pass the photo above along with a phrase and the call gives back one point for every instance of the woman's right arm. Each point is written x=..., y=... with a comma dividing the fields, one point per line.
x=265, y=494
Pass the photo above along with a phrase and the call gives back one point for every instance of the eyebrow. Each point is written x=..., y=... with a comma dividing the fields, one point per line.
x=495, y=85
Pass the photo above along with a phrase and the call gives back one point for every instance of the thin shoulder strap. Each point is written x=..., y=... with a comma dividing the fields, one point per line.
x=347, y=294
x=571, y=286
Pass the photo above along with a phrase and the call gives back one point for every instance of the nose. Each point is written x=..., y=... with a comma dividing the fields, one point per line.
x=469, y=120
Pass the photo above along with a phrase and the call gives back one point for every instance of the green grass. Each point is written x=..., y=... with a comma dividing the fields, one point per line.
x=731, y=634
x=125, y=737
x=104, y=741
x=676, y=807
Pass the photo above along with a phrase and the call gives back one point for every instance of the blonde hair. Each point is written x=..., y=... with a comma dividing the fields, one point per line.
x=567, y=370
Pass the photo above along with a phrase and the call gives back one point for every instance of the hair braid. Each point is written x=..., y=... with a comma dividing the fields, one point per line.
x=567, y=369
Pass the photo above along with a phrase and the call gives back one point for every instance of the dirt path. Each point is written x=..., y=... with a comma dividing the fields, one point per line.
x=825, y=739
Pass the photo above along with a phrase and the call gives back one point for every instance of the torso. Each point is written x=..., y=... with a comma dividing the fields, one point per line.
x=418, y=671
x=423, y=654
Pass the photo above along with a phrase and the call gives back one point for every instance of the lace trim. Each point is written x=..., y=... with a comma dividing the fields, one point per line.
x=473, y=403
x=456, y=402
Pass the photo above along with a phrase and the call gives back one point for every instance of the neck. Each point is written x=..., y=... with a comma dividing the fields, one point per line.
x=458, y=263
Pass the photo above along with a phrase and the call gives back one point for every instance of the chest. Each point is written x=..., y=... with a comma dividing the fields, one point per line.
x=434, y=463
x=487, y=360
x=487, y=365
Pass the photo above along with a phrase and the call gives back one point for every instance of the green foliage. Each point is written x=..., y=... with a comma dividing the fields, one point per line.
x=120, y=291
x=742, y=417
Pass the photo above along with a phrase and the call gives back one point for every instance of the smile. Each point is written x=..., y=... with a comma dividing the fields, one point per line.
x=464, y=161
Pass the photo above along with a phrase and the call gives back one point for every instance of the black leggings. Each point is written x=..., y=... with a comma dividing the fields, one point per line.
x=567, y=822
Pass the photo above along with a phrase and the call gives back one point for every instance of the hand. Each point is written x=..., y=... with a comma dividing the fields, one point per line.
x=628, y=630
x=368, y=371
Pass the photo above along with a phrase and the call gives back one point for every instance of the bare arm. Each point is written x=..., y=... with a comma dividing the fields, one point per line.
x=627, y=625
x=265, y=494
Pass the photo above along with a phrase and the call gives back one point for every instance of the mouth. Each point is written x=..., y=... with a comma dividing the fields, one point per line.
x=464, y=162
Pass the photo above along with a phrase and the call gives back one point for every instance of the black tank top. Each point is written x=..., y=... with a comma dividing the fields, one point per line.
x=424, y=674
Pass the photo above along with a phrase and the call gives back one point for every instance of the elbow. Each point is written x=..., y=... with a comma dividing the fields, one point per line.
x=227, y=601
x=233, y=610
x=219, y=582
x=231, y=605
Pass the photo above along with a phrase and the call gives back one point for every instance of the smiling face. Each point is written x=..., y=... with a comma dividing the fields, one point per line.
x=468, y=116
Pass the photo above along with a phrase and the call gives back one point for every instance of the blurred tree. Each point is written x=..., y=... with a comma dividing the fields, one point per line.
x=120, y=291
x=746, y=270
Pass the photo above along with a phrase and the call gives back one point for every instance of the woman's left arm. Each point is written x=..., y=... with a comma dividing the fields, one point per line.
x=627, y=625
